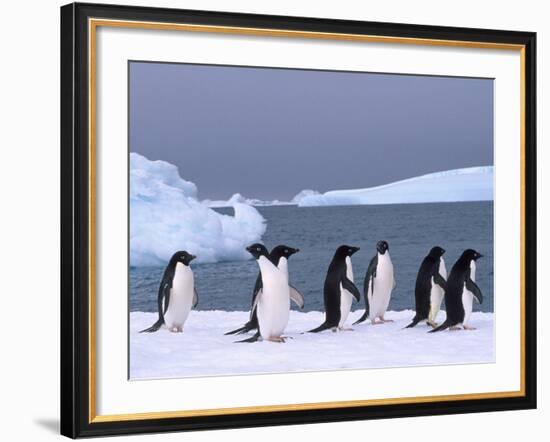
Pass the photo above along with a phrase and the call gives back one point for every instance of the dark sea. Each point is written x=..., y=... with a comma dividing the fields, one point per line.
x=410, y=229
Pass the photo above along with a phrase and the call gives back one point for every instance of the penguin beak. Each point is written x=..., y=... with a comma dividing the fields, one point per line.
x=192, y=257
x=479, y=255
x=248, y=249
x=296, y=250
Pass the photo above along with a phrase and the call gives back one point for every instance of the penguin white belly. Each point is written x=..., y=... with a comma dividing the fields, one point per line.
x=468, y=296
x=437, y=293
x=467, y=302
x=274, y=303
x=273, y=313
x=181, y=297
x=283, y=265
x=436, y=297
x=383, y=286
x=346, y=298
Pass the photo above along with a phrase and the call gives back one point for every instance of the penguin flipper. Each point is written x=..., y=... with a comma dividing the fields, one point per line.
x=254, y=338
x=350, y=287
x=257, y=297
x=472, y=286
x=322, y=327
x=439, y=280
x=446, y=324
x=296, y=296
x=368, y=285
x=195, y=298
x=154, y=327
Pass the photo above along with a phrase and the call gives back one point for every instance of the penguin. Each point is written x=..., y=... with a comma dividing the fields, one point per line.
x=272, y=301
x=279, y=256
x=177, y=294
x=339, y=290
x=430, y=287
x=378, y=285
x=461, y=292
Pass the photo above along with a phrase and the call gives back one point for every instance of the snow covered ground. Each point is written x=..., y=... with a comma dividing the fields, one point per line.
x=202, y=349
x=468, y=184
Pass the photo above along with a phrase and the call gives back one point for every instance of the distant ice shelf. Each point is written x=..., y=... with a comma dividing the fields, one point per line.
x=237, y=198
x=468, y=184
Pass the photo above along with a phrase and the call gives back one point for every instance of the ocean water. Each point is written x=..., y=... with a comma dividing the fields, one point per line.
x=410, y=229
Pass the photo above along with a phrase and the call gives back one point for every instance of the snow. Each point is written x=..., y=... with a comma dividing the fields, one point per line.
x=192, y=353
x=468, y=184
x=238, y=198
x=166, y=216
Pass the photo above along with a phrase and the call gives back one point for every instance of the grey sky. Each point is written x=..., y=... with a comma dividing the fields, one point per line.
x=269, y=133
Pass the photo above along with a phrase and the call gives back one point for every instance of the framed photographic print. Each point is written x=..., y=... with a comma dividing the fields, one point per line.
x=274, y=220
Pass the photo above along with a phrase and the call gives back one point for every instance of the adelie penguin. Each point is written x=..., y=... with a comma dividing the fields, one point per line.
x=339, y=290
x=378, y=285
x=430, y=287
x=272, y=301
x=176, y=295
x=461, y=292
x=279, y=256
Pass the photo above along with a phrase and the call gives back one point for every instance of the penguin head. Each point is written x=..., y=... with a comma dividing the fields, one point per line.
x=437, y=252
x=257, y=250
x=345, y=250
x=282, y=251
x=182, y=256
x=471, y=255
x=382, y=247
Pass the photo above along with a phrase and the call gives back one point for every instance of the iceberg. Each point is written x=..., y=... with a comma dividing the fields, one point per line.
x=304, y=194
x=468, y=184
x=166, y=216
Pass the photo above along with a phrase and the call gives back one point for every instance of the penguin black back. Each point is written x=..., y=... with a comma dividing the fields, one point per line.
x=429, y=268
x=458, y=279
x=336, y=275
x=163, y=297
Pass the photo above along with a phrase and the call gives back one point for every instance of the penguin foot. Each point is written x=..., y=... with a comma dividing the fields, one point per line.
x=454, y=327
x=385, y=320
x=345, y=329
x=279, y=340
x=467, y=327
x=432, y=324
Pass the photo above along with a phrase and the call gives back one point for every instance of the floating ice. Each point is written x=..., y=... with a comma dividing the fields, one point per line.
x=238, y=198
x=304, y=194
x=165, y=216
x=469, y=184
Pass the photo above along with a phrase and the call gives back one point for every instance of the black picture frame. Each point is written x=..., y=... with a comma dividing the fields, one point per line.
x=75, y=221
